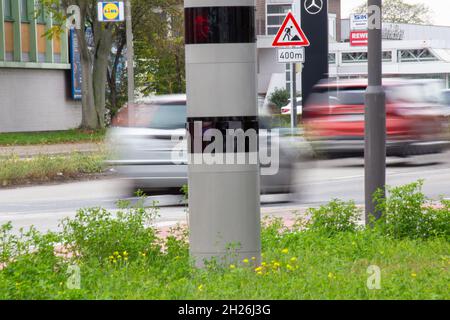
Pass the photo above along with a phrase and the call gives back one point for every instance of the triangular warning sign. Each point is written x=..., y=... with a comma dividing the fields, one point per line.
x=290, y=34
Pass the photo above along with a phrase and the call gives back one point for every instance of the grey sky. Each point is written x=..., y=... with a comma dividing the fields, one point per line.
x=440, y=9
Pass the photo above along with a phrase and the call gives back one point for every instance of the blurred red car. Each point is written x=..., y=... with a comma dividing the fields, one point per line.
x=416, y=123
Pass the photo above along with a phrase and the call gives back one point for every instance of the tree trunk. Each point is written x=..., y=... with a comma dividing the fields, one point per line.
x=89, y=116
x=112, y=78
x=103, y=44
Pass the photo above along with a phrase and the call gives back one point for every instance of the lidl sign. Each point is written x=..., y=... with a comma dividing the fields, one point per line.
x=111, y=11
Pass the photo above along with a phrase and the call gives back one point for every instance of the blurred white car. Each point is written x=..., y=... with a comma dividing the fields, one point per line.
x=287, y=110
x=143, y=147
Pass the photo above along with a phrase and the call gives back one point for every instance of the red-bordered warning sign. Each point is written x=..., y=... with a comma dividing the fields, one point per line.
x=290, y=34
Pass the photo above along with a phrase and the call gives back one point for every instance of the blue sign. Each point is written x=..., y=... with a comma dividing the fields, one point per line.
x=76, y=71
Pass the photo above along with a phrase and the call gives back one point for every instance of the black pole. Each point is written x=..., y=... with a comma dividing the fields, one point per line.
x=375, y=115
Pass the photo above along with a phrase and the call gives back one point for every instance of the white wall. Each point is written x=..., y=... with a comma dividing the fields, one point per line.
x=36, y=100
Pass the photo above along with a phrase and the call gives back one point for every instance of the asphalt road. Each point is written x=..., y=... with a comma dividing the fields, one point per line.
x=318, y=181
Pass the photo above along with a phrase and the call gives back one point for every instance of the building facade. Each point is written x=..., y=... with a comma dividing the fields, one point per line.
x=409, y=51
x=34, y=72
x=269, y=18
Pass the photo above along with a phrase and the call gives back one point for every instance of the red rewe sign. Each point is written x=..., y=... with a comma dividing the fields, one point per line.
x=359, y=38
x=290, y=34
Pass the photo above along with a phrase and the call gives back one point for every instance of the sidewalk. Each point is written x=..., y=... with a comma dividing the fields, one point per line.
x=51, y=149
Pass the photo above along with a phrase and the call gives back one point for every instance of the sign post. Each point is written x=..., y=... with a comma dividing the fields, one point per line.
x=130, y=55
x=115, y=11
x=375, y=115
x=291, y=40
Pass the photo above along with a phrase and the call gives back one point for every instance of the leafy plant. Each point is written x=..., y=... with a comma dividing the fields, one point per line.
x=335, y=217
x=408, y=213
x=280, y=97
x=325, y=256
x=99, y=233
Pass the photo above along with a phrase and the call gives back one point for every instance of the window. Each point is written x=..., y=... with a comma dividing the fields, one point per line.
x=354, y=57
x=24, y=10
x=332, y=58
x=7, y=9
x=276, y=13
x=361, y=57
x=40, y=14
x=416, y=55
x=332, y=26
x=387, y=56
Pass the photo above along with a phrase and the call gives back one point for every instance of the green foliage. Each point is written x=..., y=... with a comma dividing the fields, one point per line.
x=407, y=213
x=280, y=98
x=14, y=170
x=335, y=217
x=325, y=257
x=399, y=11
x=51, y=137
x=159, y=46
x=280, y=121
x=98, y=233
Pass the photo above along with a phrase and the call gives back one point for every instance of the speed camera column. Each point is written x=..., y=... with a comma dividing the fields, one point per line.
x=224, y=183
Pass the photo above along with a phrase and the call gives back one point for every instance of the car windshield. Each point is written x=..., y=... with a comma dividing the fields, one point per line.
x=415, y=93
x=345, y=96
x=168, y=117
x=446, y=98
x=155, y=116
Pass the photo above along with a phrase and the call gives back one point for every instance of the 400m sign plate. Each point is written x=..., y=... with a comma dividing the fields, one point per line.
x=291, y=55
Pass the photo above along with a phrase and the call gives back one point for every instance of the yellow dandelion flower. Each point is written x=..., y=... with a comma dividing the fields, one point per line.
x=330, y=275
x=126, y=259
x=114, y=261
x=254, y=258
x=260, y=273
x=264, y=264
x=246, y=261
x=232, y=266
x=294, y=259
x=116, y=253
x=285, y=251
x=119, y=257
x=413, y=275
x=289, y=267
x=125, y=253
x=200, y=287
x=259, y=269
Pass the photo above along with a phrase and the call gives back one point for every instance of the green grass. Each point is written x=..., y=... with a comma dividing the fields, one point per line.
x=52, y=137
x=321, y=258
x=44, y=168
